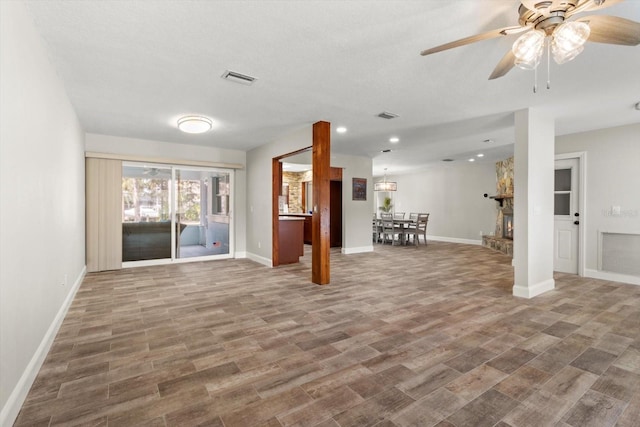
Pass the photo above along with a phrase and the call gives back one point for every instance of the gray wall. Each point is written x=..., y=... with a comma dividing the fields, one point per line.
x=453, y=196
x=42, y=211
x=612, y=179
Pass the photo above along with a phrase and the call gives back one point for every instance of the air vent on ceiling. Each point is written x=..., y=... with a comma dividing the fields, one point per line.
x=447, y=160
x=244, y=79
x=386, y=150
x=387, y=115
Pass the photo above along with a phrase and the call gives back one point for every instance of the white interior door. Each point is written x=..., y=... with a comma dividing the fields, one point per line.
x=567, y=216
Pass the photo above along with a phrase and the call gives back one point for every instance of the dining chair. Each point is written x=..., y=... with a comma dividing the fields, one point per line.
x=421, y=228
x=413, y=216
x=398, y=215
x=376, y=229
x=388, y=228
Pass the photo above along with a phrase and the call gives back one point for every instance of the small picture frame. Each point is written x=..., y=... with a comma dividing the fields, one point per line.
x=359, y=188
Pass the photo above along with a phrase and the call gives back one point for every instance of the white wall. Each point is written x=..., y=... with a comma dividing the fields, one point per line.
x=613, y=179
x=453, y=196
x=42, y=205
x=356, y=230
x=356, y=214
x=168, y=150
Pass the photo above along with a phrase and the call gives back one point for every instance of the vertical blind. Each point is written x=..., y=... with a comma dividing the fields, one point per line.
x=104, y=214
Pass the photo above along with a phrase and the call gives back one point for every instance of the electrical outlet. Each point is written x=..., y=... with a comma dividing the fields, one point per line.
x=259, y=245
x=615, y=210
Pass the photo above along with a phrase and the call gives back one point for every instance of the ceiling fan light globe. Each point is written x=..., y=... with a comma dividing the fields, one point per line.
x=562, y=56
x=528, y=49
x=571, y=35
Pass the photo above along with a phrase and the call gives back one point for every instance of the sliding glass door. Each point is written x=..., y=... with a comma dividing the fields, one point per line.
x=172, y=212
x=202, y=212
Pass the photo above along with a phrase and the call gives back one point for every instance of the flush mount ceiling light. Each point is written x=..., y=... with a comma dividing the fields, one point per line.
x=479, y=155
x=472, y=159
x=194, y=124
x=385, y=185
x=394, y=139
x=341, y=129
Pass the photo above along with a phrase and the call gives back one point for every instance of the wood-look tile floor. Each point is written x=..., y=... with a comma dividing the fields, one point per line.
x=402, y=337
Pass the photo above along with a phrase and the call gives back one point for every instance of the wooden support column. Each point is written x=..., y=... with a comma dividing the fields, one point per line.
x=276, y=179
x=320, y=226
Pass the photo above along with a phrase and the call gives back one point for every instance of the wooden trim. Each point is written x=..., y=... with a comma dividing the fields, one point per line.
x=162, y=160
x=303, y=195
x=320, y=230
x=335, y=174
x=293, y=153
x=276, y=188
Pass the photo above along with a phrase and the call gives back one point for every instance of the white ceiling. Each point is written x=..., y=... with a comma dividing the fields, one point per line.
x=132, y=68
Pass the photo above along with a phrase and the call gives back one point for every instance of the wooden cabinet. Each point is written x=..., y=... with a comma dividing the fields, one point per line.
x=291, y=239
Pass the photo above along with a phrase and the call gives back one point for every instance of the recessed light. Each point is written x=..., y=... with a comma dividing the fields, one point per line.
x=341, y=129
x=194, y=124
x=394, y=139
x=472, y=160
x=386, y=150
x=479, y=155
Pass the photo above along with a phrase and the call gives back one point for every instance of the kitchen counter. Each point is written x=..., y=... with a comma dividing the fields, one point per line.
x=307, y=223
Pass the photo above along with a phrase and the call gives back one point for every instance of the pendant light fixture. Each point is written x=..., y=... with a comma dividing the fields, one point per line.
x=385, y=185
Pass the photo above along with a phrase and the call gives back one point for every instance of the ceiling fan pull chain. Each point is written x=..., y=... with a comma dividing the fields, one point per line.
x=548, y=64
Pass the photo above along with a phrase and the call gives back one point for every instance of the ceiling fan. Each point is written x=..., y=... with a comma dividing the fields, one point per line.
x=547, y=22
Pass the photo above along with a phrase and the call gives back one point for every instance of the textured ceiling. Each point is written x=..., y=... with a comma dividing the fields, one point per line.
x=131, y=68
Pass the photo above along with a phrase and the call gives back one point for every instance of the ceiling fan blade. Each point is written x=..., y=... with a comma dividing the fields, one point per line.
x=472, y=39
x=613, y=30
x=504, y=66
x=590, y=5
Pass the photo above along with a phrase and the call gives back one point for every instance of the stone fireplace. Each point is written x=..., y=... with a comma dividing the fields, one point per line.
x=502, y=238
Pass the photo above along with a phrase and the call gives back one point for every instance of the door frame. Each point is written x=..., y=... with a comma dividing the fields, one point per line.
x=581, y=157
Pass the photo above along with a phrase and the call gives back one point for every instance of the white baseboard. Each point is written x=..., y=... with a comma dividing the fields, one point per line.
x=259, y=259
x=241, y=254
x=358, y=250
x=534, y=290
x=454, y=240
x=613, y=277
x=11, y=409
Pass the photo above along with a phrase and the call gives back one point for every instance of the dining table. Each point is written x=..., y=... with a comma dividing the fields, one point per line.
x=401, y=224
